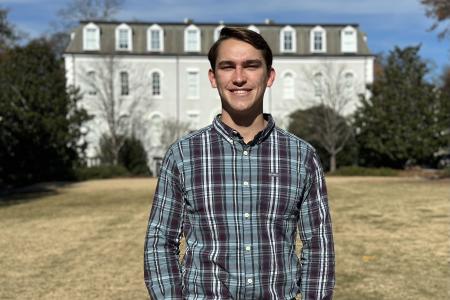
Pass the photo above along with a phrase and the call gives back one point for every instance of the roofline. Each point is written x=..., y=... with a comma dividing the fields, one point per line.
x=155, y=55
x=271, y=24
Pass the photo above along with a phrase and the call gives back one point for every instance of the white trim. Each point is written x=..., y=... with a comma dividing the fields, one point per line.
x=155, y=27
x=155, y=113
x=217, y=32
x=349, y=44
x=253, y=28
x=96, y=47
x=197, y=84
x=318, y=86
x=291, y=94
x=353, y=83
x=193, y=117
x=124, y=26
x=197, y=46
x=293, y=32
x=322, y=31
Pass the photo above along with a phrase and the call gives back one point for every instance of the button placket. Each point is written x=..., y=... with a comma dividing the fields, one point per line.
x=247, y=209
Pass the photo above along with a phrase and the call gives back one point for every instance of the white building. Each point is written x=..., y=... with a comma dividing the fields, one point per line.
x=161, y=69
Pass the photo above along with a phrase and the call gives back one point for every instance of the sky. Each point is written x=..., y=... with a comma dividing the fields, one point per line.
x=387, y=23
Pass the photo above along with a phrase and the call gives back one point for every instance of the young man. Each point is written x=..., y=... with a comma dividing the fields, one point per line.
x=238, y=190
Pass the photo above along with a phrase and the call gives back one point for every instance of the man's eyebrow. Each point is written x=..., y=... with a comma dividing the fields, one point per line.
x=225, y=63
x=253, y=62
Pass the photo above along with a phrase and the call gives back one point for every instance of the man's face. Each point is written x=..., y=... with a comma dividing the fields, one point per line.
x=241, y=77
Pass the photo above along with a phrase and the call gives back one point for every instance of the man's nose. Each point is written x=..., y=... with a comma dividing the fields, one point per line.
x=239, y=77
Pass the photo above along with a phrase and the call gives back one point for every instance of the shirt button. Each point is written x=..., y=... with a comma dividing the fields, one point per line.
x=245, y=152
x=249, y=281
x=248, y=248
x=245, y=183
x=247, y=215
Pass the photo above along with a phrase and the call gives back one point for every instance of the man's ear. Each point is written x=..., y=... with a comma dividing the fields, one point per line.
x=212, y=78
x=271, y=77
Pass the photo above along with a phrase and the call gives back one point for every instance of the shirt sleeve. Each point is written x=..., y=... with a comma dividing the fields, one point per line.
x=162, y=272
x=317, y=255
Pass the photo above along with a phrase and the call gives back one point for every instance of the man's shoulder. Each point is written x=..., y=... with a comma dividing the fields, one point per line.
x=186, y=140
x=301, y=143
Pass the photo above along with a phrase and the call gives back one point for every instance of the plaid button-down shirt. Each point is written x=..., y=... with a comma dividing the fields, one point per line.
x=239, y=206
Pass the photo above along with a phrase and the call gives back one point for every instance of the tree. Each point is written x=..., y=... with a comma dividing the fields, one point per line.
x=440, y=11
x=8, y=35
x=403, y=120
x=75, y=11
x=40, y=121
x=172, y=130
x=308, y=124
x=331, y=93
x=445, y=90
x=116, y=106
x=133, y=157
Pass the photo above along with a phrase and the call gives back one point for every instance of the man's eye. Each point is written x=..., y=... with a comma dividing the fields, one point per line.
x=252, y=66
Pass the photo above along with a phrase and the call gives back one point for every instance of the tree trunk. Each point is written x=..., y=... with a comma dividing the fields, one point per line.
x=333, y=162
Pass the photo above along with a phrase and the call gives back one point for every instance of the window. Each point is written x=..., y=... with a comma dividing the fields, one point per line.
x=92, y=90
x=349, y=40
x=348, y=84
x=318, y=39
x=124, y=86
x=288, y=39
x=193, y=119
x=157, y=128
x=288, y=86
x=91, y=37
x=155, y=38
x=124, y=37
x=318, y=84
x=253, y=28
x=217, y=32
x=192, y=84
x=156, y=84
x=192, y=39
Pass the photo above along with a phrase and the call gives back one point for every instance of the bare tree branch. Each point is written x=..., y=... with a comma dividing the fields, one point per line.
x=118, y=112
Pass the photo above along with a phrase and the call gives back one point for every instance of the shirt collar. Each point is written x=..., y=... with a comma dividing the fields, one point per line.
x=230, y=134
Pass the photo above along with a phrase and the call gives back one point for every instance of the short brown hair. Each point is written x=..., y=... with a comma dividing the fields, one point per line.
x=241, y=34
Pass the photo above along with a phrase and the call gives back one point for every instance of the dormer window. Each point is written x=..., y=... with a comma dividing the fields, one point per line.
x=192, y=39
x=217, y=32
x=349, y=40
x=155, y=38
x=91, y=37
x=253, y=28
x=124, y=38
x=318, y=37
x=288, y=39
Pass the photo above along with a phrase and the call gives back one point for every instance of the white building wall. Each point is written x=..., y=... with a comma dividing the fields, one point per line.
x=174, y=103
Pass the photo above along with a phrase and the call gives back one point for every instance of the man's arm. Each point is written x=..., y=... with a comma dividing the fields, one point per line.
x=317, y=257
x=162, y=273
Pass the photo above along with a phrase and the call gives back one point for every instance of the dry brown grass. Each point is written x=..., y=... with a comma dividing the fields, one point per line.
x=86, y=240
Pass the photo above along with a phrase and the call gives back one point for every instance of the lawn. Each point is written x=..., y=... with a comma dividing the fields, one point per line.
x=85, y=240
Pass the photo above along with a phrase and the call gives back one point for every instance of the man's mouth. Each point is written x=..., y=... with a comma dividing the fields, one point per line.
x=240, y=92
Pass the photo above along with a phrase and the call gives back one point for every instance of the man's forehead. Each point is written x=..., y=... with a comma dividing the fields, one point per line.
x=236, y=48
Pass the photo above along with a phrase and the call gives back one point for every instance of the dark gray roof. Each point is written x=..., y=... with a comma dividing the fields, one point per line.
x=174, y=37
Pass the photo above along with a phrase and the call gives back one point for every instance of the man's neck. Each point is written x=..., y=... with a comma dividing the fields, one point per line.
x=247, y=126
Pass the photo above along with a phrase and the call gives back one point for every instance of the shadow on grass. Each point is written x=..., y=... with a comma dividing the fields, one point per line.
x=33, y=192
